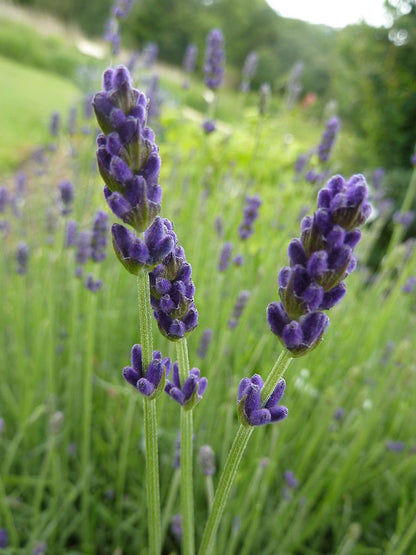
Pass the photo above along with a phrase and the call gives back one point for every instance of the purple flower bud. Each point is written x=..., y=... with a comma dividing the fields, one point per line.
x=290, y=479
x=4, y=538
x=150, y=381
x=251, y=409
x=190, y=392
x=92, y=284
x=55, y=124
x=409, y=285
x=396, y=446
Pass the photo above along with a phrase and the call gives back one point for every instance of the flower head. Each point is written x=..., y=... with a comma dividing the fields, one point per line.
x=251, y=409
x=319, y=262
x=190, y=392
x=149, y=381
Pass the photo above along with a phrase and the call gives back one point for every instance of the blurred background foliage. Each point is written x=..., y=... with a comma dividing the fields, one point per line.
x=370, y=71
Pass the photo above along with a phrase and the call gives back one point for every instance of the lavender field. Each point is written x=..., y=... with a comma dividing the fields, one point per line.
x=208, y=307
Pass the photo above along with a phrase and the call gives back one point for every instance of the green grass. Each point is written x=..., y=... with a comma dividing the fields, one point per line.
x=28, y=99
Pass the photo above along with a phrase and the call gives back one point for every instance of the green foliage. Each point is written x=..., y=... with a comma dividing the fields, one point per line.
x=21, y=43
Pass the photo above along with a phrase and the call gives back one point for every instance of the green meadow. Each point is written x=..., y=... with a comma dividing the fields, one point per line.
x=72, y=446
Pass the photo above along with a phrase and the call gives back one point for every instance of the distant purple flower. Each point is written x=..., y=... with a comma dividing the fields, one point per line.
x=150, y=53
x=172, y=295
x=339, y=413
x=40, y=549
x=71, y=234
x=251, y=213
x=404, y=218
x=20, y=184
x=55, y=124
x=265, y=95
x=328, y=139
x=92, y=284
x=290, y=479
x=409, y=285
x=219, y=228
x=83, y=245
x=225, y=256
x=4, y=538
x=176, y=527
x=66, y=191
x=396, y=446
x=312, y=176
x=204, y=343
x=239, y=306
x=128, y=158
x=214, y=59
x=189, y=393
x=294, y=85
x=149, y=381
x=99, y=236
x=154, y=102
x=319, y=261
x=209, y=126
x=4, y=199
x=72, y=121
x=249, y=70
x=206, y=458
x=378, y=176
x=122, y=8
x=22, y=257
x=2, y=426
x=413, y=158
x=251, y=409
x=88, y=108
x=189, y=61
x=238, y=260
x=112, y=35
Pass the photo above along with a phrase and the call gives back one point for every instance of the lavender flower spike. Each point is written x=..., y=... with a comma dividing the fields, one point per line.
x=150, y=381
x=214, y=59
x=319, y=262
x=328, y=139
x=22, y=258
x=190, y=393
x=251, y=409
x=251, y=213
x=171, y=295
x=128, y=158
x=99, y=236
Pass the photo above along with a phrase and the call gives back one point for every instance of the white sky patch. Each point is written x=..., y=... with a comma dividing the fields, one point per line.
x=332, y=12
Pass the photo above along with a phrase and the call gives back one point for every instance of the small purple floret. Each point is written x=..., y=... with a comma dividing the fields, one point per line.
x=251, y=409
x=190, y=392
x=150, y=381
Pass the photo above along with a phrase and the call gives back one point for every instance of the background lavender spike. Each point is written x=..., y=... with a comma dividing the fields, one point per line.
x=189, y=61
x=249, y=71
x=214, y=59
x=329, y=136
x=66, y=191
x=251, y=213
x=22, y=258
x=99, y=236
x=238, y=309
x=225, y=256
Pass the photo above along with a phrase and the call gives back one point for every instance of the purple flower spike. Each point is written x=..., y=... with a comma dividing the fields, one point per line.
x=190, y=393
x=22, y=258
x=214, y=59
x=209, y=126
x=66, y=191
x=149, y=382
x=251, y=409
x=172, y=294
x=319, y=261
x=328, y=139
x=251, y=213
x=127, y=156
x=99, y=236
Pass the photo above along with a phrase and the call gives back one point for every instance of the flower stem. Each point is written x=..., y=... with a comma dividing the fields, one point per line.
x=187, y=496
x=234, y=458
x=150, y=418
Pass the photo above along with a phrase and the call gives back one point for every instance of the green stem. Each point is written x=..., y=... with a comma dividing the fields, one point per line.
x=170, y=500
x=150, y=418
x=234, y=458
x=187, y=496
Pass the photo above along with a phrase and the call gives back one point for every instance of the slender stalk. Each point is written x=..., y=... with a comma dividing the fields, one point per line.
x=234, y=458
x=398, y=230
x=187, y=495
x=87, y=421
x=170, y=500
x=150, y=418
